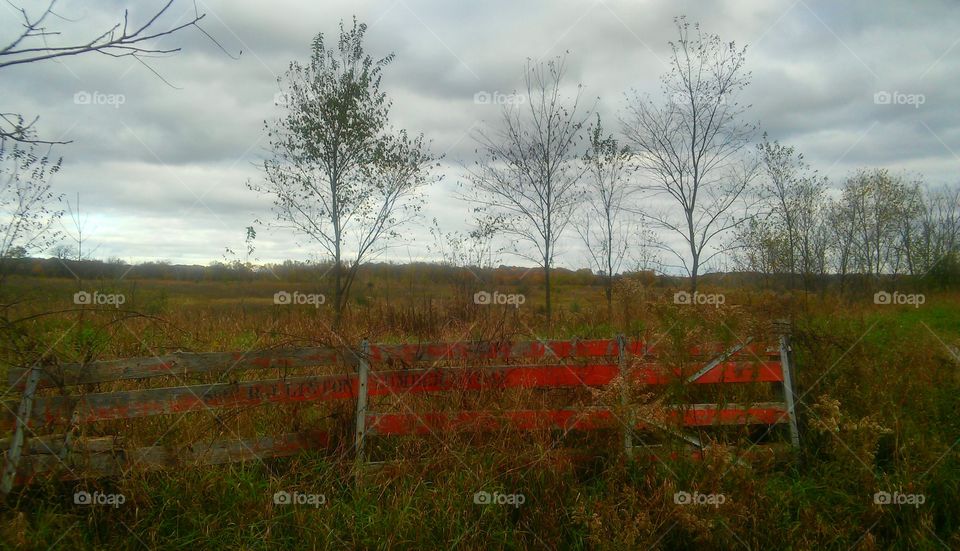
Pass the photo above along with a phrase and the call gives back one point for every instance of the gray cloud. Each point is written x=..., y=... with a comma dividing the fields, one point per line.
x=163, y=174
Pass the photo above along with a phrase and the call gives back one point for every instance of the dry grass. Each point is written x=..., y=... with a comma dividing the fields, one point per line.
x=879, y=408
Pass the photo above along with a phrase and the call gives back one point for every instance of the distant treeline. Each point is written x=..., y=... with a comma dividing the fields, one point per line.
x=290, y=270
x=945, y=275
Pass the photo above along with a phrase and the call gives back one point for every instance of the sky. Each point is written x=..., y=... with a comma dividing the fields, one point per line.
x=161, y=168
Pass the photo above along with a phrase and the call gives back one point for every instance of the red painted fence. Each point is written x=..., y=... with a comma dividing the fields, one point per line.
x=49, y=401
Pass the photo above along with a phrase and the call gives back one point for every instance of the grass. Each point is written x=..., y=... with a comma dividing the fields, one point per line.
x=878, y=412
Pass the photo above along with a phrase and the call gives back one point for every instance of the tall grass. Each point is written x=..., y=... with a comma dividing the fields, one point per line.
x=879, y=412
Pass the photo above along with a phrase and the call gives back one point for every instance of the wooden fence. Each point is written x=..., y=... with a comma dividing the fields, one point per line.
x=56, y=399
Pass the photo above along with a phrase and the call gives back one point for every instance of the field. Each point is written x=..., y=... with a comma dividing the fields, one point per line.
x=878, y=388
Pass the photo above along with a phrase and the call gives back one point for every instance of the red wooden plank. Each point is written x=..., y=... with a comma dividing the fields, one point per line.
x=725, y=372
x=161, y=401
x=545, y=376
x=699, y=415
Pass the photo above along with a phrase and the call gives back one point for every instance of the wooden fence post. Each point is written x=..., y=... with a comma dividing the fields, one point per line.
x=16, y=445
x=625, y=395
x=363, y=368
x=788, y=392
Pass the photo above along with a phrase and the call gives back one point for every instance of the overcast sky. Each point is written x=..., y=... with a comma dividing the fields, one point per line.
x=163, y=175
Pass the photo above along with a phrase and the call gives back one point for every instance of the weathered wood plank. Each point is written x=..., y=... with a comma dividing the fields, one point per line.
x=183, y=364
x=54, y=444
x=698, y=415
x=117, y=461
x=163, y=401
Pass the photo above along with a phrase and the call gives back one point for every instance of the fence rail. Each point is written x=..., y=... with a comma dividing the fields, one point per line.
x=373, y=370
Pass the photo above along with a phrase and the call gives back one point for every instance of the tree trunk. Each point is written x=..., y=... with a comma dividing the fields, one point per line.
x=694, y=273
x=338, y=288
x=546, y=284
x=609, y=299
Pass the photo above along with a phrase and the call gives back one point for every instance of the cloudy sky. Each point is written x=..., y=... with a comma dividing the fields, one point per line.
x=162, y=175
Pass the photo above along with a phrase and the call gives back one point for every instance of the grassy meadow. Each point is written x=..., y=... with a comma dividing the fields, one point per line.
x=879, y=411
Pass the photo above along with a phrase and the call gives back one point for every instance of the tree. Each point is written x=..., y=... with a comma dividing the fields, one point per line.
x=63, y=252
x=475, y=249
x=37, y=42
x=762, y=248
x=603, y=223
x=27, y=204
x=797, y=197
x=690, y=145
x=841, y=234
x=338, y=175
x=874, y=202
x=529, y=169
x=931, y=233
x=78, y=233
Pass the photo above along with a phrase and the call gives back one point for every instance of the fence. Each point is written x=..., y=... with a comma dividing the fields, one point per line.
x=49, y=397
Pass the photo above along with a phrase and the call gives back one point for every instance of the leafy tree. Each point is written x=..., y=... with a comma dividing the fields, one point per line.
x=27, y=204
x=604, y=224
x=339, y=176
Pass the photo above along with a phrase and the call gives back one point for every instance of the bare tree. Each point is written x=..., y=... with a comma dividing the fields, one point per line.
x=78, y=233
x=37, y=42
x=529, y=169
x=27, y=204
x=603, y=223
x=338, y=175
x=690, y=144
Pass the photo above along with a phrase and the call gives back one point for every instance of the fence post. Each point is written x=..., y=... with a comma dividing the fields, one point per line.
x=363, y=368
x=625, y=395
x=789, y=396
x=23, y=417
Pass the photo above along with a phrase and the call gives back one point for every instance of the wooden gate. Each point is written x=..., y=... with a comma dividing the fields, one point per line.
x=55, y=402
